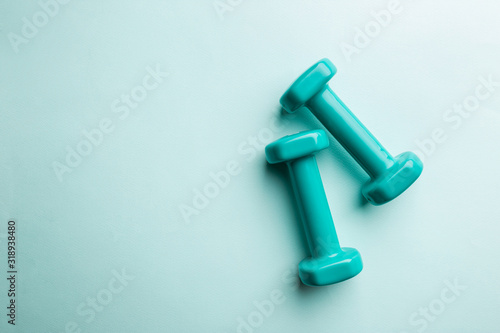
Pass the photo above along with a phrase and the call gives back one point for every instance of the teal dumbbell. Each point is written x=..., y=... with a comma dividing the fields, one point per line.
x=390, y=175
x=329, y=263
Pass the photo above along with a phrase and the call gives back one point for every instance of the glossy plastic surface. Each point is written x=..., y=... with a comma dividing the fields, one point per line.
x=294, y=146
x=390, y=176
x=329, y=263
x=307, y=85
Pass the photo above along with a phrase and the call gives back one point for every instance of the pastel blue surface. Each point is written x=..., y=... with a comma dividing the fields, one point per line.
x=175, y=222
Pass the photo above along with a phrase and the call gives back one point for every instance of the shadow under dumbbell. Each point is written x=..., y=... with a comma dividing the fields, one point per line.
x=362, y=201
x=336, y=151
x=308, y=291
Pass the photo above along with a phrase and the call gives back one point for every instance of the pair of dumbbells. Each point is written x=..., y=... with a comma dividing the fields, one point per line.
x=390, y=176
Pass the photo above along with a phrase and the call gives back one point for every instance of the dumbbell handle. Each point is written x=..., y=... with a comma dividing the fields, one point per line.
x=350, y=132
x=313, y=206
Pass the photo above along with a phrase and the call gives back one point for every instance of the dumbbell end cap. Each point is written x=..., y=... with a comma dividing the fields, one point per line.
x=307, y=85
x=332, y=269
x=405, y=171
x=295, y=146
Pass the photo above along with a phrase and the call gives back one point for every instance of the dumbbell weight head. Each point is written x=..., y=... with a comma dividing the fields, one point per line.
x=405, y=171
x=292, y=147
x=335, y=268
x=307, y=85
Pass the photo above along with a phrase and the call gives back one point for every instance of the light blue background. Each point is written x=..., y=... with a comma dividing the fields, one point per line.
x=120, y=208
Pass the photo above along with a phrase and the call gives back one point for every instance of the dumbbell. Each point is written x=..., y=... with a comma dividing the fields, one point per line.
x=329, y=263
x=390, y=176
